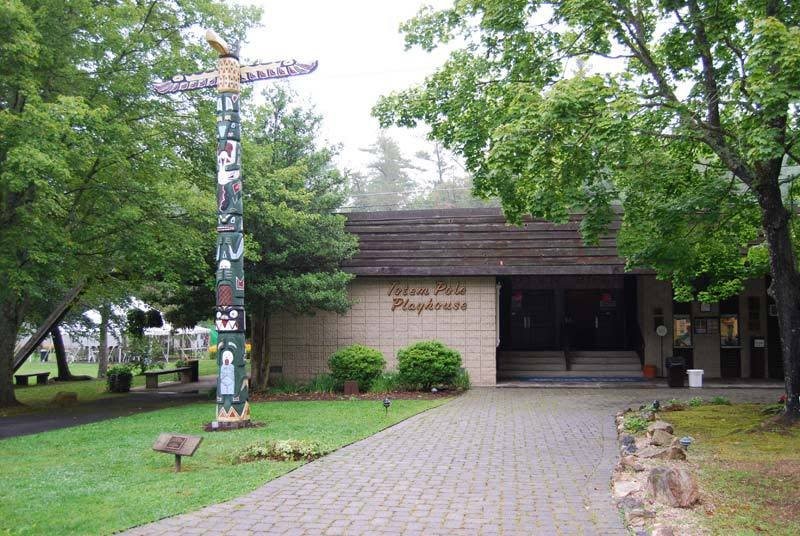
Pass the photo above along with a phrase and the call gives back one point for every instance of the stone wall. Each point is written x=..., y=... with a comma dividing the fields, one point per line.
x=382, y=318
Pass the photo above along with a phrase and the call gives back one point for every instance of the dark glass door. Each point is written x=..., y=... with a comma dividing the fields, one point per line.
x=532, y=320
x=594, y=320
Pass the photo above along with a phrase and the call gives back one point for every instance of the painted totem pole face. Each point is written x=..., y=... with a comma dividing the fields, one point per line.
x=229, y=223
x=230, y=319
x=230, y=246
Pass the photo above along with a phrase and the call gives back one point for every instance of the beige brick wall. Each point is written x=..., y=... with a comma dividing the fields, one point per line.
x=301, y=345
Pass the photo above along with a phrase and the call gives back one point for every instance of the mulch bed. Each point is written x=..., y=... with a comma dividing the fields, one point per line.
x=394, y=395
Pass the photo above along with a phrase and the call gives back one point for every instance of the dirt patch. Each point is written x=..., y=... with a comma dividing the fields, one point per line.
x=394, y=395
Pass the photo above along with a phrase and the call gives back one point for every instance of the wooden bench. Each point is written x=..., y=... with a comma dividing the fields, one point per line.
x=151, y=376
x=41, y=378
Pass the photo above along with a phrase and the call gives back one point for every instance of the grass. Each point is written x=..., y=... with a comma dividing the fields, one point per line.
x=750, y=472
x=104, y=477
x=38, y=397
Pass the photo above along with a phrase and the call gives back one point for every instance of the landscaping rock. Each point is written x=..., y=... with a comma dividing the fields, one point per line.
x=630, y=503
x=638, y=515
x=624, y=488
x=64, y=399
x=660, y=425
x=661, y=437
x=674, y=486
x=663, y=531
x=648, y=415
x=629, y=462
x=667, y=453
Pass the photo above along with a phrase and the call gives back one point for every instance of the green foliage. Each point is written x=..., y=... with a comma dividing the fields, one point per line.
x=720, y=401
x=462, y=381
x=386, y=383
x=119, y=378
x=634, y=424
x=141, y=355
x=322, y=383
x=101, y=181
x=580, y=107
x=427, y=364
x=284, y=386
x=357, y=363
x=696, y=401
x=281, y=450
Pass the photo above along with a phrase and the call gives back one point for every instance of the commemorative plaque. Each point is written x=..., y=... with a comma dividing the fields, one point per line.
x=177, y=444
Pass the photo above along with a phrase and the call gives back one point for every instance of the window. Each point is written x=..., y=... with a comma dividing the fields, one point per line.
x=682, y=332
x=729, y=331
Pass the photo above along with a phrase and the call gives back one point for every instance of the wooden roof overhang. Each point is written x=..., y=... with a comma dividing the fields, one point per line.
x=475, y=242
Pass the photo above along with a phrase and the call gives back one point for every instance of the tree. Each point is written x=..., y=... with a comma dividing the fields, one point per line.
x=689, y=121
x=294, y=244
x=387, y=185
x=451, y=186
x=99, y=180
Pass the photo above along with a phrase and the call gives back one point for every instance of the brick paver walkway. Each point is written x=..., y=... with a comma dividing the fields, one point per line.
x=494, y=461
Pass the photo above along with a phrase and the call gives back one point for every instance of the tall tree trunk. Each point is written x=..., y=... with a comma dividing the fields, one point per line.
x=102, y=356
x=785, y=288
x=10, y=320
x=64, y=374
x=259, y=352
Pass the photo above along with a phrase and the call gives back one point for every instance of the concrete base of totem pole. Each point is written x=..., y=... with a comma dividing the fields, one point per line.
x=227, y=426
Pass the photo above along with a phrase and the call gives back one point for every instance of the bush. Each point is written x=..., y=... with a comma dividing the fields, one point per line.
x=427, y=364
x=386, y=383
x=635, y=424
x=696, y=402
x=286, y=450
x=323, y=383
x=357, y=363
x=119, y=378
x=720, y=401
x=462, y=380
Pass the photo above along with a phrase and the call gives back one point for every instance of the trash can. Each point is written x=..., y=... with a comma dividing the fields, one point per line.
x=695, y=377
x=676, y=370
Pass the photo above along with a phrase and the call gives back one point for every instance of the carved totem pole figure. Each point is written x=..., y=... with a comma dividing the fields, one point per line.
x=233, y=409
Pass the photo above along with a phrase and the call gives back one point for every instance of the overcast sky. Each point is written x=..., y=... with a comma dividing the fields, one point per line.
x=361, y=56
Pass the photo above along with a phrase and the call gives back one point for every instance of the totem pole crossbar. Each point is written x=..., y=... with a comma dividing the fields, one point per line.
x=233, y=409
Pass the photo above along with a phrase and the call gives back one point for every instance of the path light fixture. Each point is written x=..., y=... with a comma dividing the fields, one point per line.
x=386, y=404
x=434, y=390
x=685, y=441
x=656, y=405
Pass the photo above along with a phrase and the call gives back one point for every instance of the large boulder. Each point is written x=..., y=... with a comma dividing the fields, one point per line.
x=662, y=453
x=661, y=438
x=660, y=425
x=674, y=486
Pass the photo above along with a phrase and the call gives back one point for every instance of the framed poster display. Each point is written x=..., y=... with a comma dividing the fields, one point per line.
x=682, y=332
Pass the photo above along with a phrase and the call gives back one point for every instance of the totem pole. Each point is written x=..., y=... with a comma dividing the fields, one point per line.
x=233, y=409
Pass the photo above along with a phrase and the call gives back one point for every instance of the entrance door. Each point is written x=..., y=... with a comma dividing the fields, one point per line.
x=533, y=320
x=594, y=320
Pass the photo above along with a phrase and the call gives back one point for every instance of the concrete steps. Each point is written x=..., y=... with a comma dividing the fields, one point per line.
x=548, y=364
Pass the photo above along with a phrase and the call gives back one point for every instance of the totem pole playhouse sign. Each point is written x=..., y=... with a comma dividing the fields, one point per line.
x=233, y=409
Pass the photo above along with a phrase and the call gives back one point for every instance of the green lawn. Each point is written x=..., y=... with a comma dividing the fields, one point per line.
x=104, y=477
x=38, y=397
x=751, y=474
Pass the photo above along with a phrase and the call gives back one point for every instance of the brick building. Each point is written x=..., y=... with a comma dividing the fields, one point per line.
x=519, y=303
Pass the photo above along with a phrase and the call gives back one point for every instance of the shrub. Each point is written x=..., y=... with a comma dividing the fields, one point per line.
x=427, y=364
x=696, y=402
x=323, y=383
x=285, y=450
x=720, y=401
x=635, y=424
x=356, y=363
x=386, y=383
x=462, y=381
x=119, y=378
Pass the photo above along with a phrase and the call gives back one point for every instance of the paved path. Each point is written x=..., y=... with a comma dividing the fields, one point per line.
x=495, y=461
x=138, y=401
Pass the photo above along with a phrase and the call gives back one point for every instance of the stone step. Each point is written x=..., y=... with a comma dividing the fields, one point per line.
x=568, y=374
x=527, y=366
x=604, y=360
